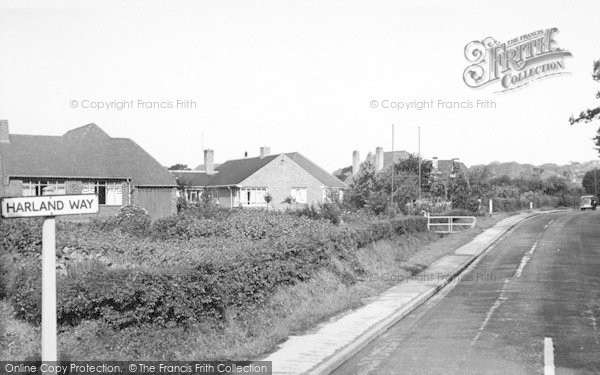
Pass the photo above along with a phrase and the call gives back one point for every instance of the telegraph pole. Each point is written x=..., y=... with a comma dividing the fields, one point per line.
x=596, y=181
x=393, y=167
x=419, y=154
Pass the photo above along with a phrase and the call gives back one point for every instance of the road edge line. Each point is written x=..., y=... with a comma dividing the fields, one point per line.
x=342, y=355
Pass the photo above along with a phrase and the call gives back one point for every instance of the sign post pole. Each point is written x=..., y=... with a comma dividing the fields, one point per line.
x=49, y=206
x=49, y=352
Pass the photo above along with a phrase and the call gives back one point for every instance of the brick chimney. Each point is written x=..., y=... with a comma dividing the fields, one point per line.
x=4, y=135
x=264, y=152
x=209, y=161
x=355, y=161
x=434, y=164
x=378, y=159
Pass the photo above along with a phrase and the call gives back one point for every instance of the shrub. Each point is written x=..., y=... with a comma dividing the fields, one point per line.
x=23, y=236
x=183, y=227
x=124, y=298
x=24, y=291
x=381, y=229
x=134, y=220
x=326, y=211
x=214, y=267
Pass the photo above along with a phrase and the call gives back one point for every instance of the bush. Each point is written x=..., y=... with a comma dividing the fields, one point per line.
x=24, y=291
x=134, y=220
x=382, y=229
x=23, y=236
x=184, y=227
x=325, y=211
x=214, y=267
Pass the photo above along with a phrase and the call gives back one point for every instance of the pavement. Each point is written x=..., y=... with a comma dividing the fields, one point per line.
x=335, y=342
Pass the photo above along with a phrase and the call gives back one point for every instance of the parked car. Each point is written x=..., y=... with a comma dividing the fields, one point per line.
x=588, y=202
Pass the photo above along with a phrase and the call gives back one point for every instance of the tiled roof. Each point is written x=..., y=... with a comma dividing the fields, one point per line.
x=234, y=172
x=201, y=167
x=191, y=178
x=85, y=152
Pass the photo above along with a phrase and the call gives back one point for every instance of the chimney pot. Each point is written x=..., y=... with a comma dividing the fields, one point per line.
x=4, y=134
x=434, y=163
x=355, y=161
x=378, y=159
x=265, y=151
x=209, y=161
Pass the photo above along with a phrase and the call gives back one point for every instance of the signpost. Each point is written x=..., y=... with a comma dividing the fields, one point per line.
x=48, y=207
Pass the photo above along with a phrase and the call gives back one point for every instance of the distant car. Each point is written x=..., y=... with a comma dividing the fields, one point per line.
x=588, y=202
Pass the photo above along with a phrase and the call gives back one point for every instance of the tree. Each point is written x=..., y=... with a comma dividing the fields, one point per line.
x=459, y=191
x=594, y=113
x=268, y=198
x=179, y=167
x=591, y=182
x=373, y=190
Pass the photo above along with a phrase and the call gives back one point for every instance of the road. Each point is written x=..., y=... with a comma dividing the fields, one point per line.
x=531, y=305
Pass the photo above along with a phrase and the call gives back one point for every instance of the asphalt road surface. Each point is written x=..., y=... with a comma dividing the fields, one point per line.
x=530, y=306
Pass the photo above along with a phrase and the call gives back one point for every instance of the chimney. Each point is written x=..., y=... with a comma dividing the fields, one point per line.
x=264, y=152
x=378, y=159
x=4, y=136
x=434, y=164
x=355, y=161
x=209, y=161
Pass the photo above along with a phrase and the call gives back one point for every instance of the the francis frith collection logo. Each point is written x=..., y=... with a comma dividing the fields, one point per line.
x=514, y=63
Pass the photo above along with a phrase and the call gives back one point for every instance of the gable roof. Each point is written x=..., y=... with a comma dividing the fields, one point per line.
x=317, y=172
x=234, y=172
x=84, y=152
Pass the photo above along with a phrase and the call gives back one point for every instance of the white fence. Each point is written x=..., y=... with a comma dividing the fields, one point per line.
x=449, y=224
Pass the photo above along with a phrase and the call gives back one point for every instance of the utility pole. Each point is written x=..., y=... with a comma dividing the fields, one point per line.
x=393, y=167
x=596, y=181
x=419, y=154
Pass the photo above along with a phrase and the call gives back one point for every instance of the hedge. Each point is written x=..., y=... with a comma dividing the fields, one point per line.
x=273, y=249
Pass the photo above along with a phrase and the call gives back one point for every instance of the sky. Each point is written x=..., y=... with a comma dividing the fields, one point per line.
x=317, y=77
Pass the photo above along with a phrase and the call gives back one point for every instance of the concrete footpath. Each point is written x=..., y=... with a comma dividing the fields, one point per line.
x=332, y=343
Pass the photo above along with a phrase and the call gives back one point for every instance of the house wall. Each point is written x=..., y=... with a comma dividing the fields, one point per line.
x=280, y=176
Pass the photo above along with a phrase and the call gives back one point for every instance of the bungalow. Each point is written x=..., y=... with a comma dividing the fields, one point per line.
x=289, y=178
x=85, y=160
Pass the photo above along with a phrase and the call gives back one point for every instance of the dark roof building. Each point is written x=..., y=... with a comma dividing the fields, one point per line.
x=280, y=176
x=85, y=159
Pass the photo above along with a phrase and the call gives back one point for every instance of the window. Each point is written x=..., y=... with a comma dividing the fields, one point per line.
x=37, y=188
x=193, y=195
x=254, y=197
x=299, y=195
x=109, y=193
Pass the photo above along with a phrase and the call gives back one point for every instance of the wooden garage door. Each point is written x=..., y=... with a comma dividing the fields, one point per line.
x=157, y=201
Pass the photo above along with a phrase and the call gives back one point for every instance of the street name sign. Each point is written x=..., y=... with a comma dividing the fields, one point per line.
x=49, y=205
